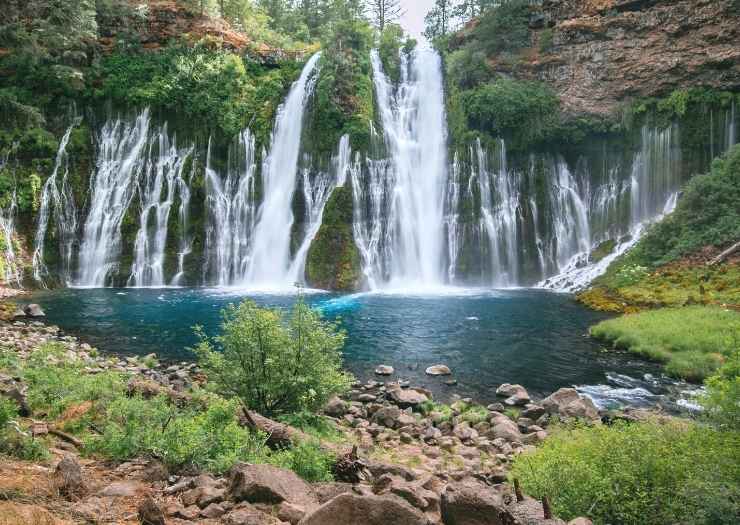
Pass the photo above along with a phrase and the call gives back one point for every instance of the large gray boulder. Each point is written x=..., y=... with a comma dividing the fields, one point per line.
x=470, y=502
x=336, y=407
x=354, y=509
x=407, y=397
x=516, y=395
x=268, y=484
x=33, y=310
x=566, y=402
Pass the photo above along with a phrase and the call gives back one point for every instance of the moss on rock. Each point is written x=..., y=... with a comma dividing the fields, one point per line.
x=333, y=261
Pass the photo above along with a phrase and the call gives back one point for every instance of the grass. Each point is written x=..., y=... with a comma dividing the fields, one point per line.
x=203, y=435
x=692, y=341
x=658, y=472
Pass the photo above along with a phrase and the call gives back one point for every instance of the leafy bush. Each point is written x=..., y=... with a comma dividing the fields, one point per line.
x=707, y=215
x=272, y=363
x=14, y=441
x=209, y=439
x=657, y=473
x=468, y=68
x=307, y=460
x=520, y=111
x=692, y=341
x=504, y=28
x=722, y=400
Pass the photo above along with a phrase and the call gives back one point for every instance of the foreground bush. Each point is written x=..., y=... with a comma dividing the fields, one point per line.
x=722, y=400
x=647, y=473
x=691, y=341
x=273, y=363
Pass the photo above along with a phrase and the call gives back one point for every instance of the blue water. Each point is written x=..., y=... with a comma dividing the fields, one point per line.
x=535, y=338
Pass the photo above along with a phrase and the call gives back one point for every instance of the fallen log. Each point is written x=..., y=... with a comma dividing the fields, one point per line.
x=280, y=435
x=66, y=437
x=725, y=254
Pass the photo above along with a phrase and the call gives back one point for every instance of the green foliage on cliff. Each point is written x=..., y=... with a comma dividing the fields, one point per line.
x=333, y=261
x=273, y=363
x=707, y=215
x=658, y=472
x=523, y=113
x=212, y=87
x=343, y=96
x=503, y=28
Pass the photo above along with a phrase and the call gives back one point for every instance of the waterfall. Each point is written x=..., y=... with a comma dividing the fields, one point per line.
x=185, y=245
x=316, y=194
x=499, y=196
x=730, y=127
x=413, y=118
x=269, y=261
x=452, y=218
x=162, y=178
x=231, y=208
x=12, y=272
x=121, y=158
x=59, y=195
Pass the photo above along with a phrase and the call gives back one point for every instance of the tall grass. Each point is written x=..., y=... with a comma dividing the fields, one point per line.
x=692, y=342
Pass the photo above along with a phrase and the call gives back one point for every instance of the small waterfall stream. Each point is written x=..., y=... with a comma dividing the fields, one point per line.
x=12, y=271
x=121, y=159
x=162, y=179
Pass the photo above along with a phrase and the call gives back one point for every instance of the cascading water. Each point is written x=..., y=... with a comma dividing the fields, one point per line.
x=316, y=193
x=121, y=159
x=411, y=252
x=57, y=196
x=12, y=272
x=269, y=262
x=452, y=218
x=231, y=208
x=185, y=245
x=162, y=180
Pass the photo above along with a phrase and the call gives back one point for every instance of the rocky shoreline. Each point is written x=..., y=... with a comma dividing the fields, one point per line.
x=415, y=461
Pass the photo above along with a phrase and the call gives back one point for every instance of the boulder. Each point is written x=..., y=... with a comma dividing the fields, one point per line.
x=246, y=514
x=67, y=477
x=33, y=310
x=516, y=395
x=291, y=513
x=150, y=513
x=566, y=402
x=407, y=397
x=470, y=502
x=504, y=428
x=16, y=391
x=336, y=407
x=533, y=411
x=386, y=416
x=353, y=509
x=213, y=511
x=122, y=489
x=268, y=484
x=438, y=370
x=384, y=370
x=331, y=489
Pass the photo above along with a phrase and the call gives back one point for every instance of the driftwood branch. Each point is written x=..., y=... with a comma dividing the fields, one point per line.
x=518, y=490
x=725, y=254
x=280, y=435
x=66, y=437
x=546, y=510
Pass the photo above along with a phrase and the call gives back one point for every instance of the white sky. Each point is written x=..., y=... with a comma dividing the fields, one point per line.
x=413, y=19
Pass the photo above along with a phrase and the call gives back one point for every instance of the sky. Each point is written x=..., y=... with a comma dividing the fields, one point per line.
x=413, y=18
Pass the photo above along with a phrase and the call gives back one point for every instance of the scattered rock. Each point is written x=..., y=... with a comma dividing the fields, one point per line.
x=438, y=370
x=335, y=407
x=353, y=509
x=68, y=479
x=246, y=514
x=407, y=397
x=33, y=310
x=384, y=370
x=471, y=503
x=150, y=513
x=516, y=395
x=212, y=511
x=566, y=402
x=268, y=484
x=122, y=489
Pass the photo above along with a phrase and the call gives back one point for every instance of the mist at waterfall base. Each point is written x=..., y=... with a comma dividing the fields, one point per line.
x=532, y=337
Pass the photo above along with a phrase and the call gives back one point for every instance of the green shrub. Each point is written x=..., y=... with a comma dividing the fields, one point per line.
x=722, y=400
x=273, y=363
x=692, y=341
x=522, y=112
x=646, y=473
x=14, y=441
x=209, y=439
x=503, y=28
x=307, y=460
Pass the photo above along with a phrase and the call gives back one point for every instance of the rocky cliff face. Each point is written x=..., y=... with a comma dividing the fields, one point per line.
x=606, y=52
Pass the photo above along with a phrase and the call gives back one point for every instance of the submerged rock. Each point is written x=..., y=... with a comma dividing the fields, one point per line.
x=384, y=370
x=438, y=370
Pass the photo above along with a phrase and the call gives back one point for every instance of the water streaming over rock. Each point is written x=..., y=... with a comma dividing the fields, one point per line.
x=11, y=267
x=270, y=258
x=231, y=208
x=121, y=158
x=57, y=198
x=411, y=252
x=161, y=181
